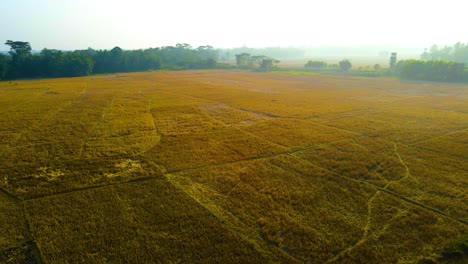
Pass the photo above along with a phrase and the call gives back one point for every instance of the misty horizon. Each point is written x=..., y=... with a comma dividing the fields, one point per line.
x=140, y=24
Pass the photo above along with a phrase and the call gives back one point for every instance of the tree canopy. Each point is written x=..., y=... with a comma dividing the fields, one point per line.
x=345, y=65
x=456, y=53
x=441, y=71
x=316, y=64
x=19, y=48
x=20, y=63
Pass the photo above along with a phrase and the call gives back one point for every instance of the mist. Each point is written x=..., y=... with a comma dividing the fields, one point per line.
x=142, y=24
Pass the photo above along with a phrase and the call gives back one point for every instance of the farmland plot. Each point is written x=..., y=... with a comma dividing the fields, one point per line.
x=236, y=167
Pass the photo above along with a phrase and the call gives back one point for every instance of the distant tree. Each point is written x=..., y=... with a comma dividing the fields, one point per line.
x=377, y=67
x=76, y=64
x=52, y=63
x=345, y=65
x=393, y=61
x=116, y=60
x=442, y=71
x=21, y=64
x=116, y=51
x=207, y=52
x=273, y=52
x=425, y=55
x=456, y=53
x=19, y=48
x=315, y=64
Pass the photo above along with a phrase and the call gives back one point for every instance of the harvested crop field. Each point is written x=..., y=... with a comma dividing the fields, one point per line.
x=233, y=167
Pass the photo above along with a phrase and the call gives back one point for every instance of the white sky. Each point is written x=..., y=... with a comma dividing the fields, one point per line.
x=103, y=24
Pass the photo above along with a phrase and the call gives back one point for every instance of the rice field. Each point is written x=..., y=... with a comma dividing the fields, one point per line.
x=233, y=167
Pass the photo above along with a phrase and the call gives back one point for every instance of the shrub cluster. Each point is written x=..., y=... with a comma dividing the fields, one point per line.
x=442, y=71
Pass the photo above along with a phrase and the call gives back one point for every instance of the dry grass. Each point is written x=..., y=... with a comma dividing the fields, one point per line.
x=362, y=158
x=120, y=225
x=12, y=231
x=225, y=166
x=185, y=151
x=296, y=133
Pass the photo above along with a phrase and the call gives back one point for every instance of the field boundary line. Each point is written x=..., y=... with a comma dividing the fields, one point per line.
x=336, y=114
x=336, y=128
x=150, y=109
x=438, y=152
x=227, y=224
x=39, y=196
x=29, y=237
x=10, y=196
x=440, y=136
x=365, y=235
x=242, y=130
x=39, y=123
x=407, y=170
x=96, y=126
x=287, y=152
x=227, y=163
x=399, y=196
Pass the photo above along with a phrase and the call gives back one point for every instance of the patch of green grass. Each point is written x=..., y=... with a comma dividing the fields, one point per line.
x=296, y=72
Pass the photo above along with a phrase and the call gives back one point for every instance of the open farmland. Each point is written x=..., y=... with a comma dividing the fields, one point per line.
x=232, y=167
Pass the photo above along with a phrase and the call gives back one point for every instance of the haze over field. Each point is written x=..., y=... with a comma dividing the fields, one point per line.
x=240, y=131
x=70, y=25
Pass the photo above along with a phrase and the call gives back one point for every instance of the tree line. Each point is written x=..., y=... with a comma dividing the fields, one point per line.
x=20, y=62
x=424, y=70
x=344, y=65
x=447, y=64
x=432, y=70
x=456, y=53
x=273, y=52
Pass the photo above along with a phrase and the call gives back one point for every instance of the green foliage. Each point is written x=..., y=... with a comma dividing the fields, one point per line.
x=345, y=65
x=19, y=48
x=275, y=52
x=54, y=63
x=21, y=64
x=368, y=73
x=457, y=53
x=296, y=72
x=441, y=71
x=315, y=64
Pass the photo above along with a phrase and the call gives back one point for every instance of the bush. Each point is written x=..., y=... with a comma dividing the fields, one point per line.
x=345, y=65
x=315, y=64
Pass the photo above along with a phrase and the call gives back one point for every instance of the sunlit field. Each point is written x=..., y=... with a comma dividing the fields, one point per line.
x=233, y=167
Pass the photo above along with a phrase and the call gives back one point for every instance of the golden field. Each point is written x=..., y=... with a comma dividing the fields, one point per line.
x=232, y=167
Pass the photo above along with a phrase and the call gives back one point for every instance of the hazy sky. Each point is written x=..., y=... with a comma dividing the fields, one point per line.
x=103, y=24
